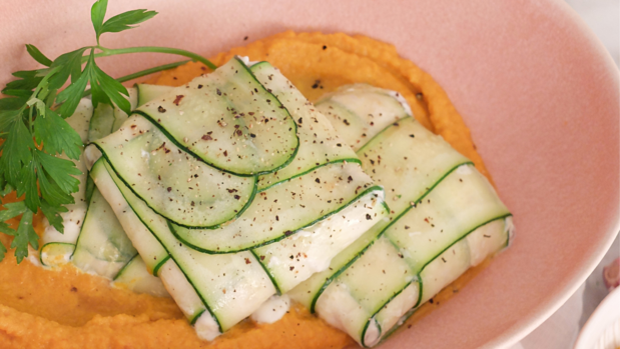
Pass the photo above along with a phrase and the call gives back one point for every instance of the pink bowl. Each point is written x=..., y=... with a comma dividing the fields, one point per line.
x=535, y=86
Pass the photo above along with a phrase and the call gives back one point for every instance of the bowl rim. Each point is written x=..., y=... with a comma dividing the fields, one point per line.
x=523, y=328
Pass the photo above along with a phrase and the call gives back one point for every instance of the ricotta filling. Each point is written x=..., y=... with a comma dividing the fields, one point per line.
x=272, y=310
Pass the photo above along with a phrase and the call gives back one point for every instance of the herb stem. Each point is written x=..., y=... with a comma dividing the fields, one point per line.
x=110, y=52
x=150, y=71
x=143, y=73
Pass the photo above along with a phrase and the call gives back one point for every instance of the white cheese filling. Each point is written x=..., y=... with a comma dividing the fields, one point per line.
x=272, y=310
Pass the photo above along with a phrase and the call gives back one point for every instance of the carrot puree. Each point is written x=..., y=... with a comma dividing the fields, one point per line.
x=65, y=308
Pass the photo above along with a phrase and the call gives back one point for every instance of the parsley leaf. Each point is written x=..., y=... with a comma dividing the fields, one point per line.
x=28, y=185
x=12, y=103
x=17, y=150
x=25, y=234
x=126, y=20
x=2, y=248
x=105, y=89
x=57, y=135
x=97, y=14
x=68, y=64
x=38, y=55
x=12, y=210
x=118, y=23
x=60, y=171
x=8, y=119
x=29, y=79
x=53, y=215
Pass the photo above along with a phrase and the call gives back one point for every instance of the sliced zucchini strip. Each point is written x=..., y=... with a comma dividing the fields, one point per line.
x=135, y=277
x=107, y=118
x=231, y=286
x=55, y=254
x=103, y=247
x=153, y=253
x=229, y=120
x=293, y=260
x=308, y=292
x=319, y=144
x=182, y=291
x=173, y=183
x=462, y=202
x=147, y=92
x=284, y=209
x=119, y=115
x=406, y=178
x=151, y=250
x=362, y=290
x=360, y=111
x=445, y=217
x=408, y=175
x=102, y=122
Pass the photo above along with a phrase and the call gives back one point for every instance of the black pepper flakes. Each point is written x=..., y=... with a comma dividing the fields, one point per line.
x=161, y=109
x=178, y=99
x=368, y=216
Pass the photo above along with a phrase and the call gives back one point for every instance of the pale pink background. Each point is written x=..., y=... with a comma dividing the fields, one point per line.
x=537, y=89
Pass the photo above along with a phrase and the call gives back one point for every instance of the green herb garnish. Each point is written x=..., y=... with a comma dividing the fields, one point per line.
x=34, y=130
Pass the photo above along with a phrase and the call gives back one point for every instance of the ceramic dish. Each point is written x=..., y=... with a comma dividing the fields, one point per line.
x=535, y=86
x=602, y=330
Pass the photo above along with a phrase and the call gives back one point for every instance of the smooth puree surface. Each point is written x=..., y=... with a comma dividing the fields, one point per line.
x=65, y=308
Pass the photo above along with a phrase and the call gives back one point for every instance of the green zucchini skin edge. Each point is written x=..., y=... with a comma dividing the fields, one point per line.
x=124, y=267
x=395, y=219
x=340, y=271
x=283, y=236
x=418, y=279
x=368, y=325
x=55, y=243
x=504, y=216
x=339, y=161
x=217, y=321
x=279, y=106
x=160, y=264
x=193, y=320
x=412, y=311
x=247, y=204
x=271, y=277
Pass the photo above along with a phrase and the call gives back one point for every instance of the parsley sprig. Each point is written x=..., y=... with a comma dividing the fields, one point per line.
x=33, y=130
